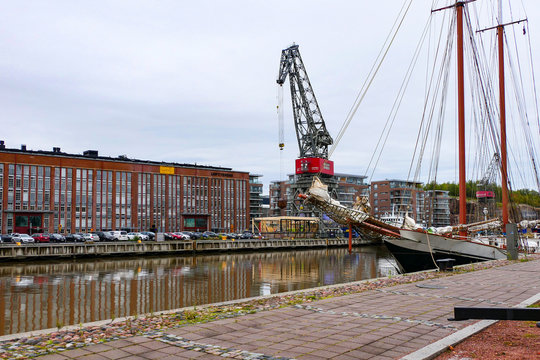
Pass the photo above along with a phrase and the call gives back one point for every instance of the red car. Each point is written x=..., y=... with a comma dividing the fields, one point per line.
x=41, y=238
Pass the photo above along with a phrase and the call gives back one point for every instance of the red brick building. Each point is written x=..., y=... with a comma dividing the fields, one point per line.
x=51, y=191
x=399, y=196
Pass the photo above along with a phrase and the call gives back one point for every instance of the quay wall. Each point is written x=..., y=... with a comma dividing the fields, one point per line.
x=129, y=248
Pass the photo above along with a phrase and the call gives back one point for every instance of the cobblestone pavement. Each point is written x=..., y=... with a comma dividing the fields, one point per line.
x=383, y=323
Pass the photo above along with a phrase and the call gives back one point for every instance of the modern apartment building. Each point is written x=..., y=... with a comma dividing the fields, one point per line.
x=398, y=196
x=52, y=191
x=437, y=208
x=349, y=187
x=255, y=196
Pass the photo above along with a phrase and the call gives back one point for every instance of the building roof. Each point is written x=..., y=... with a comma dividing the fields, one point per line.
x=93, y=155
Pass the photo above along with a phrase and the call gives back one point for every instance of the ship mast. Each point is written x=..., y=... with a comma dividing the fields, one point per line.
x=461, y=118
x=461, y=111
x=502, y=111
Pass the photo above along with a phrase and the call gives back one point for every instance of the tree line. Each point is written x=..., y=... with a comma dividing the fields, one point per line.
x=521, y=196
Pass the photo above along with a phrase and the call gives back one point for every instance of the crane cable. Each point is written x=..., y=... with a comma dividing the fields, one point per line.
x=373, y=72
x=281, y=132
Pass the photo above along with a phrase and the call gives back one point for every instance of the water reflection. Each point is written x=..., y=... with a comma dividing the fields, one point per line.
x=46, y=295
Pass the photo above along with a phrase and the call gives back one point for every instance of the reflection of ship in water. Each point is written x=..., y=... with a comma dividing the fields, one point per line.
x=43, y=295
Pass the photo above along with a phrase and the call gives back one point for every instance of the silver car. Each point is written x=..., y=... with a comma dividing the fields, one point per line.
x=90, y=237
x=23, y=238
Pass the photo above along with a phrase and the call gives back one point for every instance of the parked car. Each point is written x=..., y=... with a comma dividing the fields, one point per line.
x=74, y=238
x=140, y=236
x=209, y=235
x=151, y=235
x=15, y=237
x=183, y=235
x=194, y=235
x=169, y=236
x=246, y=235
x=41, y=238
x=120, y=235
x=174, y=236
x=5, y=238
x=90, y=237
x=104, y=235
x=56, y=238
x=23, y=238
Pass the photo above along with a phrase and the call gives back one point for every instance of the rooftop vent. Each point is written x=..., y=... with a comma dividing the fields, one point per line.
x=91, y=153
x=56, y=149
x=23, y=147
x=2, y=146
x=123, y=157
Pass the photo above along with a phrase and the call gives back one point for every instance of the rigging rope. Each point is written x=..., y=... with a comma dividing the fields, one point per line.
x=373, y=72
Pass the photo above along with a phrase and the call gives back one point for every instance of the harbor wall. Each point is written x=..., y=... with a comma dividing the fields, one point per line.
x=129, y=248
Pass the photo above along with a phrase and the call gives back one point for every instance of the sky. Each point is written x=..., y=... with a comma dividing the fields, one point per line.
x=195, y=81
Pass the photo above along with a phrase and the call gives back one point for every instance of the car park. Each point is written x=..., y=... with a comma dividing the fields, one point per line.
x=41, y=238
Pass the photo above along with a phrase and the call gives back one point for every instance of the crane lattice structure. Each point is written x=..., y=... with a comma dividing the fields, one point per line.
x=311, y=133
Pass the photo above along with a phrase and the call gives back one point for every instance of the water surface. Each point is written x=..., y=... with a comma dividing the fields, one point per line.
x=39, y=295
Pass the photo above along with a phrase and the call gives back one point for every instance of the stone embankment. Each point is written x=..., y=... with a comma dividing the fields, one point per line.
x=128, y=248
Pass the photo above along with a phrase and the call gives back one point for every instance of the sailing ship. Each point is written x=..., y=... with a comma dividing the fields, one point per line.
x=414, y=247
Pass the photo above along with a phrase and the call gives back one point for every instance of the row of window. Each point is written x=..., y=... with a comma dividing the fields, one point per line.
x=101, y=199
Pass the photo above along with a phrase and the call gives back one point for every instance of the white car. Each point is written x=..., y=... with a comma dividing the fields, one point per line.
x=90, y=237
x=23, y=238
x=132, y=236
x=120, y=235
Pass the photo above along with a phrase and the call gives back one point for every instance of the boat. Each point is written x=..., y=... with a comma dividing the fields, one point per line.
x=417, y=248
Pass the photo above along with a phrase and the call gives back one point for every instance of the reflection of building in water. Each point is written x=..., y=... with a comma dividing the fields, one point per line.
x=38, y=302
x=48, y=295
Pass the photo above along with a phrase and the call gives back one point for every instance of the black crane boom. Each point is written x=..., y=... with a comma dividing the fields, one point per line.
x=313, y=138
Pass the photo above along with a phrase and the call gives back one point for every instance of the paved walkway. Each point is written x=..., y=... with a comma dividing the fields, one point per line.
x=387, y=323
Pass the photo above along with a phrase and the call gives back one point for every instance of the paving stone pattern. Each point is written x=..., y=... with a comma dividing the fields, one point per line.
x=376, y=324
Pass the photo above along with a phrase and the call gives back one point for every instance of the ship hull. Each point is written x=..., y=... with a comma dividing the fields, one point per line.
x=417, y=251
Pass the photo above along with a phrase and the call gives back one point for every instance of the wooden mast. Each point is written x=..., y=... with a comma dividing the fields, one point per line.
x=502, y=110
x=504, y=168
x=461, y=119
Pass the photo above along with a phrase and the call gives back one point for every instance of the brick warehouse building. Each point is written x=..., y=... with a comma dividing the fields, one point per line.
x=52, y=191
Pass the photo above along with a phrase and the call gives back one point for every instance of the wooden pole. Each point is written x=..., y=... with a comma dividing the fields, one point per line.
x=461, y=119
x=350, y=238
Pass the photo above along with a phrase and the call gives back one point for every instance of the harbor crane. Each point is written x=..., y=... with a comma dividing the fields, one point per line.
x=311, y=133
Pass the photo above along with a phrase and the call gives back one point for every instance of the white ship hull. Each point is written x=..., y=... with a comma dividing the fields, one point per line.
x=417, y=250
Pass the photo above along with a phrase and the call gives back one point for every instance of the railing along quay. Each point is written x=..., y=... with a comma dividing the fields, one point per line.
x=130, y=248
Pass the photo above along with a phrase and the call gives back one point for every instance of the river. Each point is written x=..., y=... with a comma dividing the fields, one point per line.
x=39, y=295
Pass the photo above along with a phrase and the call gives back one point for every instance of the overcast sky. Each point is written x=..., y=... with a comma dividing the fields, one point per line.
x=195, y=81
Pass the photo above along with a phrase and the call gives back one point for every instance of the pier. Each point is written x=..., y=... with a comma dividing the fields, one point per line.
x=128, y=248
